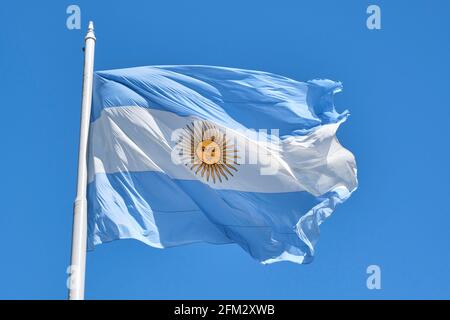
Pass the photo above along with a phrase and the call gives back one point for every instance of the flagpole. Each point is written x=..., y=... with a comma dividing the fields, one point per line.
x=79, y=232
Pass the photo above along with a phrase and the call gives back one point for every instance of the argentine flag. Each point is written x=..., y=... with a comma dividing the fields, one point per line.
x=185, y=154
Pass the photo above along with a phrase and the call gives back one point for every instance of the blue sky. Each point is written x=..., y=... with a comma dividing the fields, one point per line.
x=395, y=85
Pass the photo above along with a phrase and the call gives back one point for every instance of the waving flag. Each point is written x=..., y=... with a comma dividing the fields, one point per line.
x=183, y=154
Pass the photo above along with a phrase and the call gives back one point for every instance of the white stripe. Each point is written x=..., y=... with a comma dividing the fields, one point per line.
x=134, y=139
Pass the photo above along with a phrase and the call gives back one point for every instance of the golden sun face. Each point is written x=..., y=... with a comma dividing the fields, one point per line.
x=208, y=151
x=205, y=149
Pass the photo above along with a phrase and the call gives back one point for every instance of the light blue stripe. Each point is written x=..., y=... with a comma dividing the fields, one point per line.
x=187, y=211
x=254, y=99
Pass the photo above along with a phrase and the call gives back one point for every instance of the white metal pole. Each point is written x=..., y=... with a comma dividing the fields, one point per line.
x=79, y=233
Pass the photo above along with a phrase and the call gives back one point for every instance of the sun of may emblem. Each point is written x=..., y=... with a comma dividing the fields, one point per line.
x=205, y=149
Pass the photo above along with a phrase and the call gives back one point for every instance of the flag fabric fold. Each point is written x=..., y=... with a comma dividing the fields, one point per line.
x=185, y=154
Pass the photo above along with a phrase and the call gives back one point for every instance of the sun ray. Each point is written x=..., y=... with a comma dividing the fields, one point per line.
x=231, y=167
x=226, y=169
x=208, y=173
x=217, y=172
x=205, y=166
x=198, y=169
x=212, y=173
x=219, y=168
